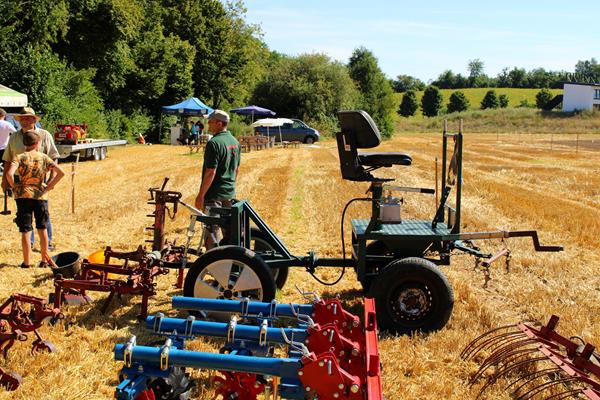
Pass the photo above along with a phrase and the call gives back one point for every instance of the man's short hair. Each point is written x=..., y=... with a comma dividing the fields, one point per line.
x=30, y=138
x=2, y=112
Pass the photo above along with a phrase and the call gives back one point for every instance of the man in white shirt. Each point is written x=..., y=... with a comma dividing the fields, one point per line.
x=6, y=129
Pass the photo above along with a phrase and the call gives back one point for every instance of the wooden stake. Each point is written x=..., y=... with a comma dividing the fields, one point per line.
x=436, y=185
x=73, y=183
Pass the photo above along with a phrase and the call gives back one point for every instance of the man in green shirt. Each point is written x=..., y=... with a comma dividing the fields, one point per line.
x=220, y=169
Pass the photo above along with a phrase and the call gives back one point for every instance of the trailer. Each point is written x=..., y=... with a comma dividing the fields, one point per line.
x=95, y=149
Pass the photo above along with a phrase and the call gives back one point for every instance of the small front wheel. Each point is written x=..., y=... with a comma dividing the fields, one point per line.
x=230, y=273
x=411, y=295
x=309, y=140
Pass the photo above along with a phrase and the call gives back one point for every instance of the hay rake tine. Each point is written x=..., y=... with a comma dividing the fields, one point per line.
x=491, y=342
x=564, y=395
x=493, y=378
x=506, y=351
x=507, y=358
x=467, y=351
x=532, y=392
x=532, y=377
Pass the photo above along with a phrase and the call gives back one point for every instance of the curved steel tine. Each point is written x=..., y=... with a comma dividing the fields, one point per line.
x=517, y=352
x=467, y=350
x=531, y=377
x=532, y=392
x=472, y=350
x=565, y=394
x=506, y=370
x=504, y=351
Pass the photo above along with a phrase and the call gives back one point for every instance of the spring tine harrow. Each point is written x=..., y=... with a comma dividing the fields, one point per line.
x=535, y=362
x=319, y=360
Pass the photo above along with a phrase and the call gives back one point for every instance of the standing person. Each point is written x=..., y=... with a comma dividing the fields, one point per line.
x=31, y=193
x=219, y=171
x=15, y=146
x=6, y=129
x=194, y=134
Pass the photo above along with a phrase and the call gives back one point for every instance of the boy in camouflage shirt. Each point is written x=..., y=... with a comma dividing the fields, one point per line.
x=30, y=192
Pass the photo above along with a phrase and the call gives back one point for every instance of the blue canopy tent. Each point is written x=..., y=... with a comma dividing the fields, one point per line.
x=253, y=110
x=187, y=108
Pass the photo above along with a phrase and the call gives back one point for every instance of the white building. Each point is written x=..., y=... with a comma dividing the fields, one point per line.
x=581, y=96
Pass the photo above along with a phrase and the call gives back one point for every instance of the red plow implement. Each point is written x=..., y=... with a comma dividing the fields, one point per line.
x=535, y=363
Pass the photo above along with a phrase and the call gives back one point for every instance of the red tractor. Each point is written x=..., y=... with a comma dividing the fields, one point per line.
x=70, y=133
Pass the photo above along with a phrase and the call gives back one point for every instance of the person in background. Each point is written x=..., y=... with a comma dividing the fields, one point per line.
x=193, y=133
x=27, y=119
x=31, y=193
x=6, y=129
x=219, y=171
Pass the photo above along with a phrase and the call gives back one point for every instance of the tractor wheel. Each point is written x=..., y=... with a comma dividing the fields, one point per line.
x=96, y=154
x=102, y=151
x=260, y=244
x=411, y=295
x=309, y=140
x=232, y=273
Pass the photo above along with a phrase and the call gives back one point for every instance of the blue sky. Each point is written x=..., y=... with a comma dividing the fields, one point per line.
x=424, y=38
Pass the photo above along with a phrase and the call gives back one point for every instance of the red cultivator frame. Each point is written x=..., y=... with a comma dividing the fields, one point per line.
x=116, y=279
x=15, y=321
x=539, y=363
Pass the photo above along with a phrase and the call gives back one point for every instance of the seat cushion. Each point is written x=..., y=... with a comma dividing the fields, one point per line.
x=384, y=159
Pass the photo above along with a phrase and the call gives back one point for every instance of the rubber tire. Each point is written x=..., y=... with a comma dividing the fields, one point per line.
x=261, y=243
x=96, y=154
x=235, y=253
x=103, y=151
x=412, y=272
x=309, y=140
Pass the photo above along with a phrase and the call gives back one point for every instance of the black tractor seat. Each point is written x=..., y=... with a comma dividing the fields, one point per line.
x=379, y=160
x=359, y=131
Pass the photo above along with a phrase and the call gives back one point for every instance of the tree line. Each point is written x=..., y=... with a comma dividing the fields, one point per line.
x=537, y=78
x=114, y=63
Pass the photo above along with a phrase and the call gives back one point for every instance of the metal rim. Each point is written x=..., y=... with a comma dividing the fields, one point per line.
x=412, y=301
x=228, y=279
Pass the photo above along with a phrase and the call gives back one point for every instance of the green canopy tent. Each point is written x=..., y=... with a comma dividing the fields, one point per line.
x=12, y=98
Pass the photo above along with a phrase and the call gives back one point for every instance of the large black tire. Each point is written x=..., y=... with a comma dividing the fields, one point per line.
x=309, y=140
x=102, y=151
x=260, y=243
x=229, y=272
x=412, y=295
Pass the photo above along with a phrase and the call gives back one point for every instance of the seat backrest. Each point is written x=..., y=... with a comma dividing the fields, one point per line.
x=358, y=131
x=359, y=124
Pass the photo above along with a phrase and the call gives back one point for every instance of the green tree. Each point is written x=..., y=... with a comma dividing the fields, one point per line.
x=490, y=100
x=476, y=76
x=310, y=86
x=458, y=102
x=409, y=104
x=503, y=101
x=542, y=98
x=376, y=92
x=431, y=102
x=446, y=80
x=404, y=83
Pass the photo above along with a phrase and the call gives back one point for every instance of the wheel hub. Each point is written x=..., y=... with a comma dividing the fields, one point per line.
x=413, y=302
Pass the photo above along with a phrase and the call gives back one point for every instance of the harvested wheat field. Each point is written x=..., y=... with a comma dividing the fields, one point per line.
x=516, y=182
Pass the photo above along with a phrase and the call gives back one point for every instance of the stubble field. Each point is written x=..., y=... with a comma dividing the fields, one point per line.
x=510, y=182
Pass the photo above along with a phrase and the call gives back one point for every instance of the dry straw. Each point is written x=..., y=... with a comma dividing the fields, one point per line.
x=300, y=194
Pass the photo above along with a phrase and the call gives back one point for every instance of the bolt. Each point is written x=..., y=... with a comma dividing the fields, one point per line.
x=344, y=324
x=300, y=373
x=324, y=333
x=342, y=352
x=308, y=389
x=354, y=388
x=355, y=323
x=355, y=352
x=321, y=363
x=341, y=386
x=336, y=395
x=306, y=341
x=256, y=385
